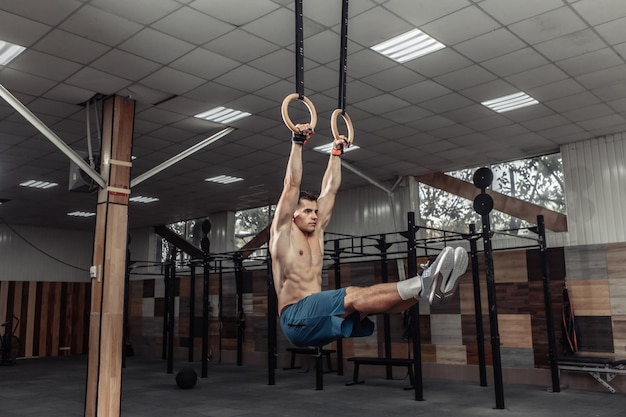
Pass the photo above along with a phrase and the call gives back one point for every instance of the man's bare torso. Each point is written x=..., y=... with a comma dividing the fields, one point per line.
x=297, y=261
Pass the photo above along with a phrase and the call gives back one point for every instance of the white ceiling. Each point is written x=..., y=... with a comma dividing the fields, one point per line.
x=177, y=58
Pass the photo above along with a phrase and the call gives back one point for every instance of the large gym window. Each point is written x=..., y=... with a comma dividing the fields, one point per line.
x=249, y=223
x=536, y=180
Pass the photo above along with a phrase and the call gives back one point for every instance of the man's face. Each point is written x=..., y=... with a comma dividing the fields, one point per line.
x=305, y=216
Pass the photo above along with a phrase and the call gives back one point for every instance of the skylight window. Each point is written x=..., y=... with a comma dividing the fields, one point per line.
x=39, y=184
x=222, y=115
x=81, y=214
x=329, y=146
x=142, y=199
x=510, y=102
x=408, y=46
x=8, y=52
x=224, y=179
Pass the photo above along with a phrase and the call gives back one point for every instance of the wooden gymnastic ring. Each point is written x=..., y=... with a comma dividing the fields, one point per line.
x=346, y=118
x=285, y=113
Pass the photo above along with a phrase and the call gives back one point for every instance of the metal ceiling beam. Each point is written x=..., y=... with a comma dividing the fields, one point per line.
x=52, y=137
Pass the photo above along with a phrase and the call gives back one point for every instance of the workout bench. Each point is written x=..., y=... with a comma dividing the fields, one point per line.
x=313, y=352
x=594, y=367
x=319, y=354
x=358, y=361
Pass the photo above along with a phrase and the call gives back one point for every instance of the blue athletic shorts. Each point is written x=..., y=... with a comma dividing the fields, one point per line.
x=315, y=321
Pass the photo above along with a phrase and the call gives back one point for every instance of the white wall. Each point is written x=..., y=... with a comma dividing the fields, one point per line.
x=595, y=190
x=39, y=254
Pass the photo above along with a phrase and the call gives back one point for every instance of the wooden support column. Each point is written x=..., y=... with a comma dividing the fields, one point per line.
x=104, y=369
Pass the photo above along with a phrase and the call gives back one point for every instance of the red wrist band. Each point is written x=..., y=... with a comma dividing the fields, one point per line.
x=336, y=152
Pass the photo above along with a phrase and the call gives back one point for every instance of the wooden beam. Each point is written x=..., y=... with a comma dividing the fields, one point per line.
x=515, y=207
x=256, y=242
x=179, y=242
x=104, y=365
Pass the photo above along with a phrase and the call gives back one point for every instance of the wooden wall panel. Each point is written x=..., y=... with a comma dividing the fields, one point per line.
x=616, y=268
x=4, y=299
x=586, y=262
x=619, y=336
x=456, y=355
x=466, y=294
x=52, y=316
x=29, y=338
x=539, y=324
x=510, y=266
x=590, y=298
x=472, y=355
x=616, y=260
x=429, y=353
x=446, y=329
x=517, y=357
x=515, y=330
x=595, y=334
x=556, y=264
x=512, y=298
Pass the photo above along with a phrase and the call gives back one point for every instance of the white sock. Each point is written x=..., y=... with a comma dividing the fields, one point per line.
x=410, y=288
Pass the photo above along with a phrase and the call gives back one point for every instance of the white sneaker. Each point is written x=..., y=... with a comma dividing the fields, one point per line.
x=433, y=277
x=451, y=283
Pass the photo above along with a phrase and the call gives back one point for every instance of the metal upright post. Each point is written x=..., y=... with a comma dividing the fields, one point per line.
x=166, y=280
x=192, y=309
x=238, y=260
x=337, y=268
x=547, y=296
x=382, y=246
x=415, y=312
x=206, y=246
x=272, y=332
x=170, y=307
x=483, y=204
x=478, y=313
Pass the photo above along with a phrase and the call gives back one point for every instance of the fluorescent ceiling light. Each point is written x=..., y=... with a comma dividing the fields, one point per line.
x=329, y=146
x=8, y=51
x=141, y=199
x=224, y=179
x=510, y=102
x=39, y=184
x=222, y=115
x=408, y=46
x=81, y=214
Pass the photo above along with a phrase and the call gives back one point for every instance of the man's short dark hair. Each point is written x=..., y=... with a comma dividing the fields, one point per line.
x=307, y=195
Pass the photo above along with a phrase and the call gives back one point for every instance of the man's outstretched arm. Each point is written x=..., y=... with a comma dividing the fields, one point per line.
x=330, y=183
x=288, y=200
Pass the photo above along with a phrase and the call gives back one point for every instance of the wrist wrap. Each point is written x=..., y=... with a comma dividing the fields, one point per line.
x=298, y=138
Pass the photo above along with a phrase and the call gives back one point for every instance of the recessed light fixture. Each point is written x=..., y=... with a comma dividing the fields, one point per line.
x=8, y=51
x=410, y=45
x=224, y=179
x=141, y=199
x=222, y=115
x=81, y=214
x=39, y=184
x=510, y=102
x=329, y=146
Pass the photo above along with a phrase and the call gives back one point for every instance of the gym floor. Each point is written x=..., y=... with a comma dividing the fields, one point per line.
x=55, y=387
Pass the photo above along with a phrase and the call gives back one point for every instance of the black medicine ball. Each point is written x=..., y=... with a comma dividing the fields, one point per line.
x=186, y=378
